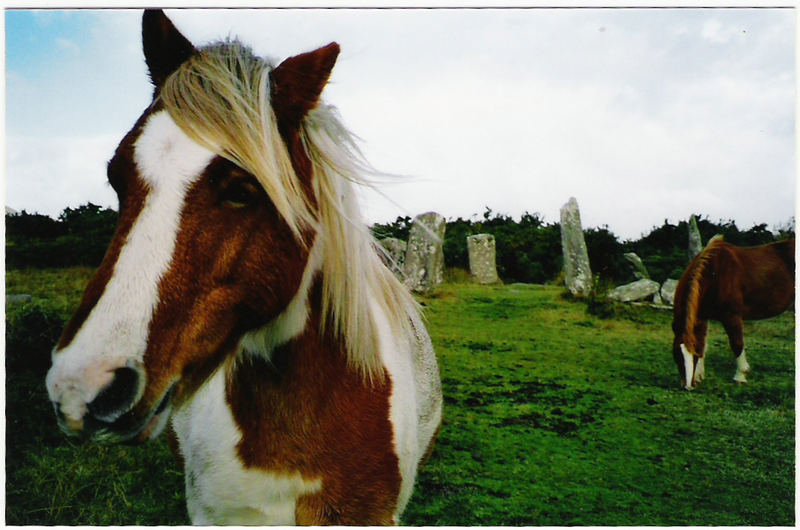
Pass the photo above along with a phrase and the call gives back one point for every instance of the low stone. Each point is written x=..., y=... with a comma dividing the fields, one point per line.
x=482, y=261
x=638, y=290
x=18, y=298
x=668, y=291
x=424, y=266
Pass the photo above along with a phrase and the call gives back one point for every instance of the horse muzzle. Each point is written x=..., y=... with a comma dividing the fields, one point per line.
x=106, y=406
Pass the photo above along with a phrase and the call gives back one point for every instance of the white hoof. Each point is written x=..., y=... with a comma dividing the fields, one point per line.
x=740, y=377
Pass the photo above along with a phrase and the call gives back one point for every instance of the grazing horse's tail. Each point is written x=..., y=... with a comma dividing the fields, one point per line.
x=690, y=294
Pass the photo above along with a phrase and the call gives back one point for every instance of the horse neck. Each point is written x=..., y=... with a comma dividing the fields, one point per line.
x=301, y=381
x=690, y=296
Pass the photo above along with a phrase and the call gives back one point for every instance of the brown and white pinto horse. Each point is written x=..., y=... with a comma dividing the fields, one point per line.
x=242, y=297
x=729, y=284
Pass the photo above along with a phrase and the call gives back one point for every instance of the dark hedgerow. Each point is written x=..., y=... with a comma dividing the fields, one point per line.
x=529, y=249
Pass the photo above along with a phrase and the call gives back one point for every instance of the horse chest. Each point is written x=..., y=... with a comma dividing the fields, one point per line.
x=219, y=488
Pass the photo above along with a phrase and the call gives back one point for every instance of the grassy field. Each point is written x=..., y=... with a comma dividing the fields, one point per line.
x=552, y=416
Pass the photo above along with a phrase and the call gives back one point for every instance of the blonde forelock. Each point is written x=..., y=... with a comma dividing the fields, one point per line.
x=220, y=98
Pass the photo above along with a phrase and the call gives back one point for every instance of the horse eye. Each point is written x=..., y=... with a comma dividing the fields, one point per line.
x=238, y=193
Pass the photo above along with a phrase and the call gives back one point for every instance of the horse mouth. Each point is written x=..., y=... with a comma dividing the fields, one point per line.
x=130, y=428
x=158, y=419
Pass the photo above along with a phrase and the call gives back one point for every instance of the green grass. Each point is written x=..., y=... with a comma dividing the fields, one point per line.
x=552, y=416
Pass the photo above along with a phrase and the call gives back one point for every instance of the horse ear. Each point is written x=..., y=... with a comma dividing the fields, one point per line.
x=298, y=82
x=165, y=49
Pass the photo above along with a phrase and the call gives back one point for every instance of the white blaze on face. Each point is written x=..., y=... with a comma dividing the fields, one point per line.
x=115, y=332
x=688, y=366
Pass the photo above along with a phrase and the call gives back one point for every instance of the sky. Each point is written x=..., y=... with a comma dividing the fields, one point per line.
x=642, y=115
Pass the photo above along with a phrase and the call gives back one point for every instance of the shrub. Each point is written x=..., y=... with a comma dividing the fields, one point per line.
x=79, y=237
x=31, y=332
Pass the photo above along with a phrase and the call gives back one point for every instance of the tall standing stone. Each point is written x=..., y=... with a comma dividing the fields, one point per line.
x=695, y=243
x=396, y=254
x=424, y=267
x=482, y=261
x=576, y=257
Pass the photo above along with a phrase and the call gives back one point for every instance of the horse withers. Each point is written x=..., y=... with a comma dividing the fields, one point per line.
x=729, y=284
x=242, y=303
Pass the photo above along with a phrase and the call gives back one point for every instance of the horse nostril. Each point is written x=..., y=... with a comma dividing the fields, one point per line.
x=118, y=397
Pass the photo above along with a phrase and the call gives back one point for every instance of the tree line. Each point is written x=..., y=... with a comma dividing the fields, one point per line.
x=78, y=237
x=528, y=249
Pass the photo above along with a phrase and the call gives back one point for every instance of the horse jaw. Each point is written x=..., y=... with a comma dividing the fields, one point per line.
x=292, y=321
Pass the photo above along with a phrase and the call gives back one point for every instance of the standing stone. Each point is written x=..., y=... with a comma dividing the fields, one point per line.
x=668, y=291
x=395, y=256
x=424, y=267
x=695, y=243
x=639, y=270
x=576, y=257
x=482, y=263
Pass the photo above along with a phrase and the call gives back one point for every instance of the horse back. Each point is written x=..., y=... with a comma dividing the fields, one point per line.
x=754, y=282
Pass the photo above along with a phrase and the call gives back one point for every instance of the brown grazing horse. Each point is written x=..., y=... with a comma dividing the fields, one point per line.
x=729, y=284
x=242, y=302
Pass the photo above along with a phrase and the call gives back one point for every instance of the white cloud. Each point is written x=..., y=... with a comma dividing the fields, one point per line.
x=49, y=174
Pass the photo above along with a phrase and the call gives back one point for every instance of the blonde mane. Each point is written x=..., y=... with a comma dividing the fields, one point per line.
x=221, y=98
x=699, y=267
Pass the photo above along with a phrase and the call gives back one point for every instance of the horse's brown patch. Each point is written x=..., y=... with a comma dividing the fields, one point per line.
x=307, y=411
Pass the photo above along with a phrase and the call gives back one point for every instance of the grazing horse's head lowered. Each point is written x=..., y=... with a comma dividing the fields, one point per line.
x=242, y=296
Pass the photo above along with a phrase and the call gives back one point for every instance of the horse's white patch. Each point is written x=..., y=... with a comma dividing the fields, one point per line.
x=219, y=489
x=415, y=403
x=688, y=367
x=115, y=332
x=402, y=402
x=742, y=368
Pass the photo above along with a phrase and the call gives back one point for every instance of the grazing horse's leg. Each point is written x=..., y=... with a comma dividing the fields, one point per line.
x=733, y=327
x=700, y=333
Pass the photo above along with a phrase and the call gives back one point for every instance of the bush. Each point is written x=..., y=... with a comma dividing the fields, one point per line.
x=80, y=236
x=31, y=332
